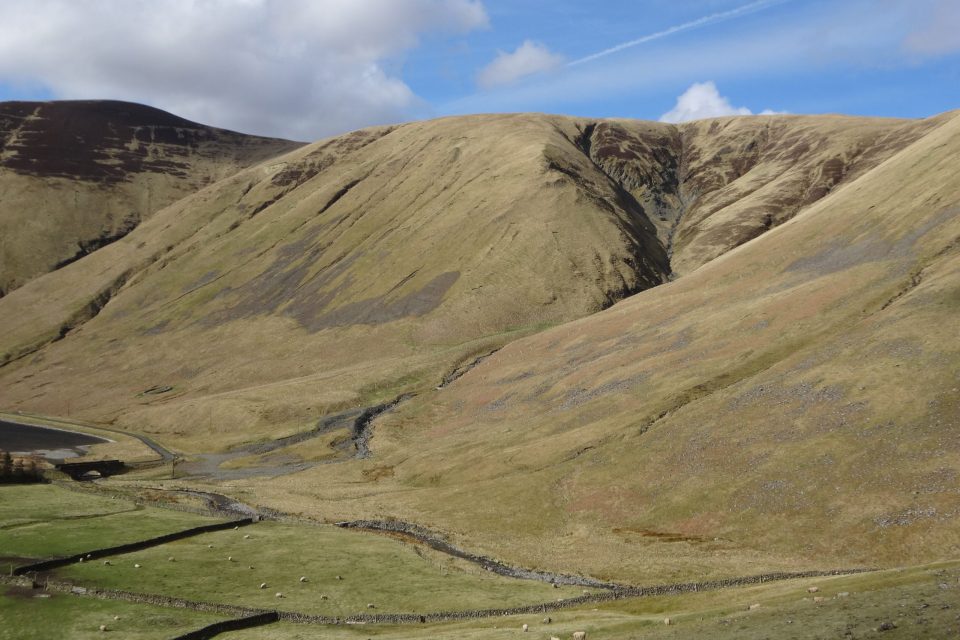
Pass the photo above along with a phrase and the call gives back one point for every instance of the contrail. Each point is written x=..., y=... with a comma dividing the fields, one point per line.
x=759, y=5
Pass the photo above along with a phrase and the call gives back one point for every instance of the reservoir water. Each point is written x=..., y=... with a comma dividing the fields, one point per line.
x=47, y=442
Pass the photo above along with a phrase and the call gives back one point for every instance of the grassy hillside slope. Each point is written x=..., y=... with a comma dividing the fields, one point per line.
x=77, y=175
x=358, y=267
x=788, y=401
x=791, y=403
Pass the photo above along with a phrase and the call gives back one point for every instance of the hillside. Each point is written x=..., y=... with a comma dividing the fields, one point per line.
x=791, y=403
x=77, y=175
x=724, y=346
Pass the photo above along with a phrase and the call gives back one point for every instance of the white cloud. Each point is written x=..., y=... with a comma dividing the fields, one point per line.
x=939, y=34
x=703, y=100
x=529, y=58
x=296, y=68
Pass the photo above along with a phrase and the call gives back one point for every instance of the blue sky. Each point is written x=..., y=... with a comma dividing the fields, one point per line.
x=310, y=68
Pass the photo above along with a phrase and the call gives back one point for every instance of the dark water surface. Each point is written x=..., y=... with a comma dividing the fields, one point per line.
x=24, y=438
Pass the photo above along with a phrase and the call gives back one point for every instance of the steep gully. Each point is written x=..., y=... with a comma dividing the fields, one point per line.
x=642, y=225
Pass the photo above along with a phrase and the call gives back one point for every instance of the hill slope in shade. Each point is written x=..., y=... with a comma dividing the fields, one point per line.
x=77, y=175
x=778, y=393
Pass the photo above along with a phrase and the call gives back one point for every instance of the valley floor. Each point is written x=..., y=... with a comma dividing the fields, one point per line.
x=353, y=576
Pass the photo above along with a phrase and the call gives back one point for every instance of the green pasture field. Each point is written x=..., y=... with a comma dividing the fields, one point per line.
x=42, y=521
x=912, y=599
x=391, y=575
x=26, y=617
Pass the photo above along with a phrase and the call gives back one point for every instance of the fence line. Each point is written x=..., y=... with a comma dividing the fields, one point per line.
x=416, y=618
x=234, y=624
x=53, y=563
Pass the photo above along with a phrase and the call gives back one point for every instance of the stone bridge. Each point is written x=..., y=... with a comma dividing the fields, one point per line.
x=77, y=470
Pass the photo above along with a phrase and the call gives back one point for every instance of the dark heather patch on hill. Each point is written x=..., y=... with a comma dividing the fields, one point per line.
x=97, y=141
x=78, y=175
x=378, y=309
x=288, y=287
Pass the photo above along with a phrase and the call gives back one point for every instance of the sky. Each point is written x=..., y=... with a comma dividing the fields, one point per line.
x=307, y=69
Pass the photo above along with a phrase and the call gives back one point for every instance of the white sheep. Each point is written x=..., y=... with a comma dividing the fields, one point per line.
x=579, y=635
x=278, y=594
x=263, y=585
x=303, y=578
x=525, y=628
x=103, y=627
x=136, y=566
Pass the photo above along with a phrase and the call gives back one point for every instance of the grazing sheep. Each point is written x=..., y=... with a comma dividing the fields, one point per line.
x=235, y=528
x=278, y=594
x=263, y=585
x=229, y=558
x=80, y=560
x=303, y=578
x=323, y=597
x=554, y=638
x=579, y=635
x=209, y=546
x=525, y=628
x=136, y=566
x=547, y=620
x=813, y=589
x=339, y=578
x=246, y=537
x=171, y=559
x=116, y=617
x=754, y=606
x=818, y=599
x=103, y=627
x=370, y=605
x=667, y=621
x=106, y=562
